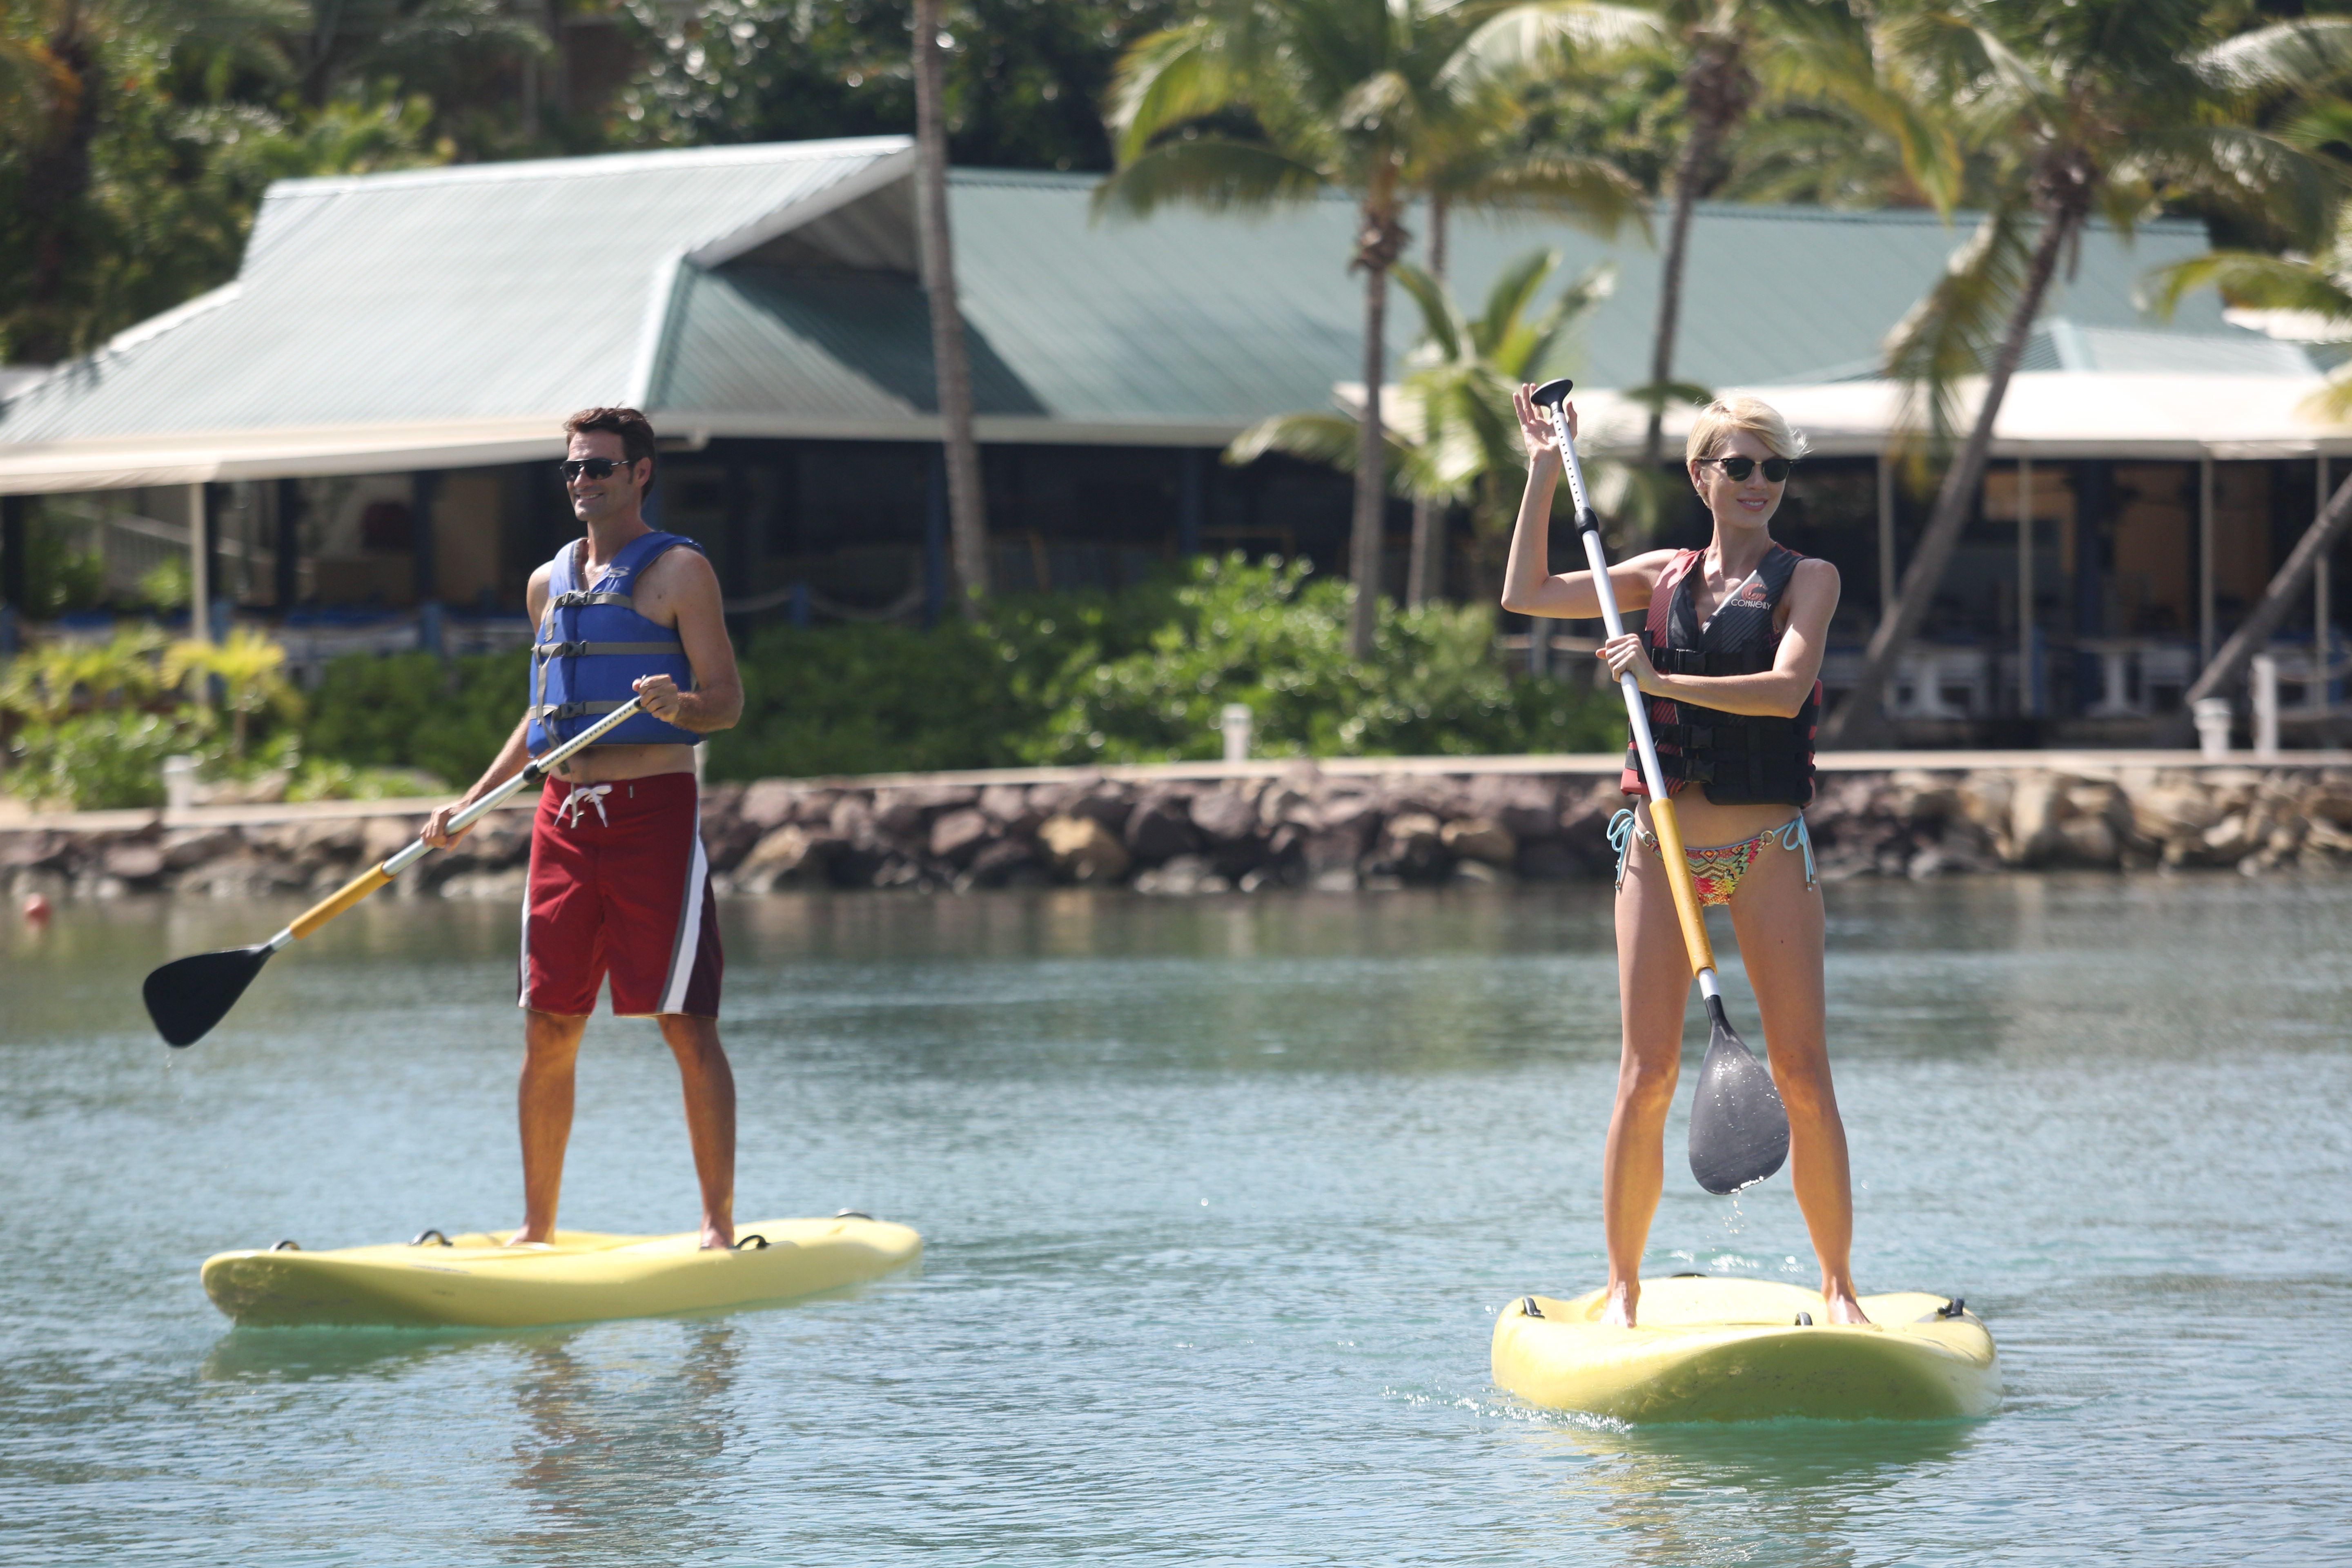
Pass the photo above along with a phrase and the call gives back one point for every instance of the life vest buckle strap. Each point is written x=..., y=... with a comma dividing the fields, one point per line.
x=548, y=650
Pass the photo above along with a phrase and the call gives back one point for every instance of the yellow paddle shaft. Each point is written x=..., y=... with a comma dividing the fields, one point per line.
x=1678, y=877
x=336, y=902
x=375, y=877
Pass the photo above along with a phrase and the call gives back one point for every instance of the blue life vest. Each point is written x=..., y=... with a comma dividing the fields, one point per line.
x=592, y=645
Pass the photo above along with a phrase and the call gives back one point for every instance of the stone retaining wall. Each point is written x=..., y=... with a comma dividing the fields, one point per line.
x=1299, y=827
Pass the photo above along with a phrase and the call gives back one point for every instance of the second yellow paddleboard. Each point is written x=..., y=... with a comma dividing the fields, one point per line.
x=1732, y=1350
x=581, y=1277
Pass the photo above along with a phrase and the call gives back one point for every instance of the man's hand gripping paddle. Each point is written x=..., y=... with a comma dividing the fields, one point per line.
x=1739, y=1129
x=188, y=995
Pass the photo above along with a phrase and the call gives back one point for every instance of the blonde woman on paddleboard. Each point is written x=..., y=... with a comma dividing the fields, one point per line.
x=1730, y=657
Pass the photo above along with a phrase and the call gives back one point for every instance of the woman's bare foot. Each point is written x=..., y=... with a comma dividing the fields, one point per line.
x=715, y=1239
x=1840, y=1306
x=1618, y=1310
x=524, y=1237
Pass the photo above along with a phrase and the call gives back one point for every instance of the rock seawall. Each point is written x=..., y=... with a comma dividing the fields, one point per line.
x=1300, y=828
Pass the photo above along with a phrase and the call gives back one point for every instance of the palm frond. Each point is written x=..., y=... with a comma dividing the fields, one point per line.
x=1439, y=323
x=1532, y=40
x=1514, y=289
x=2312, y=54
x=1954, y=329
x=2251, y=278
x=1167, y=79
x=1213, y=172
x=2258, y=176
x=1592, y=193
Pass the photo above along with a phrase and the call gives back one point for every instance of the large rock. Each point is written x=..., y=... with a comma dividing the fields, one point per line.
x=1082, y=849
x=133, y=860
x=767, y=804
x=1477, y=839
x=787, y=855
x=1160, y=828
x=1004, y=862
x=385, y=835
x=957, y=835
x=186, y=846
x=1226, y=816
x=1009, y=804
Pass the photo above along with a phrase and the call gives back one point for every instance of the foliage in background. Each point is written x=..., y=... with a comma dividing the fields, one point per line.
x=1024, y=80
x=136, y=138
x=448, y=717
x=1270, y=636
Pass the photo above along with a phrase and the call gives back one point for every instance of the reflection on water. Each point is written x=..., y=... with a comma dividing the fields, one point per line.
x=1802, y=1494
x=1219, y=1196
x=620, y=1458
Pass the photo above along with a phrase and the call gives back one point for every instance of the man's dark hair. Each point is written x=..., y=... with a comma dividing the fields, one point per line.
x=636, y=431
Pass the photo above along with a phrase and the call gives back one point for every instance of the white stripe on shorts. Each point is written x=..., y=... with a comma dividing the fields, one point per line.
x=690, y=923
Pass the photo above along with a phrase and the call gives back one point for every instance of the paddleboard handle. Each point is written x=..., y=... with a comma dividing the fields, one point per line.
x=1528, y=1307
x=288, y=1245
x=853, y=1213
x=1804, y=1319
x=434, y=1236
x=1958, y=1306
x=755, y=1241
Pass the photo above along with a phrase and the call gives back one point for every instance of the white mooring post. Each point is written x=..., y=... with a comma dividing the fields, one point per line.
x=179, y=785
x=1236, y=723
x=2266, y=706
x=2212, y=716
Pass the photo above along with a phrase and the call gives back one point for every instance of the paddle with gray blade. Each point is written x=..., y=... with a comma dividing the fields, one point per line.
x=188, y=995
x=1739, y=1129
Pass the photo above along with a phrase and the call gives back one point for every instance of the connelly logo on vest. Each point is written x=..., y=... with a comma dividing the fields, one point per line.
x=592, y=645
x=1740, y=758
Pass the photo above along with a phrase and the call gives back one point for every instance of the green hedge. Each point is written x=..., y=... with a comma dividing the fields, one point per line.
x=1136, y=676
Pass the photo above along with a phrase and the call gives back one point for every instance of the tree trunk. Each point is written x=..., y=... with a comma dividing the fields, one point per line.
x=967, y=517
x=1717, y=88
x=1367, y=539
x=2286, y=588
x=1426, y=572
x=1859, y=715
x=1697, y=152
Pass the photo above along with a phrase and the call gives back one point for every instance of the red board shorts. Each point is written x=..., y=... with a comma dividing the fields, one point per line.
x=620, y=887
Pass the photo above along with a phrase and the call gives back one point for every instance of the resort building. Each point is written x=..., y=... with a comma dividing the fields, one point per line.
x=354, y=440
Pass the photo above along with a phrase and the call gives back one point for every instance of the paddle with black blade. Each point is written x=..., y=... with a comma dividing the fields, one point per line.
x=188, y=995
x=1739, y=1129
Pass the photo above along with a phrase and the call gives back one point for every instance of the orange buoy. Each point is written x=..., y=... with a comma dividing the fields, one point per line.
x=36, y=911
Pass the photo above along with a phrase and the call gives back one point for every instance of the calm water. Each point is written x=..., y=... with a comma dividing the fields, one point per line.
x=1219, y=1198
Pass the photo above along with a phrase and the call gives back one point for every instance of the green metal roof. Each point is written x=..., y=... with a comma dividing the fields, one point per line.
x=766, y=290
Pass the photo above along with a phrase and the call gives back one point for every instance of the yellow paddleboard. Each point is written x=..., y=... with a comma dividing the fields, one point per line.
x=1732, y=1350
x=581, y=1277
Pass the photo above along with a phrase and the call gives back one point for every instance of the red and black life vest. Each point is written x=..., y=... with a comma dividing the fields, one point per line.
x=1740, y=758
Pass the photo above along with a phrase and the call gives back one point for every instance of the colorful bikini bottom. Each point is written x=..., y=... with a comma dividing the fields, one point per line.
x=1715, y=869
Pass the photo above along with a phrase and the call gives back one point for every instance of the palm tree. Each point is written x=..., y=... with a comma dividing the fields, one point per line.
x=967, y=514
x=251, y=669
x=1457, y=440
x=2083, y=107
x=1255, y=102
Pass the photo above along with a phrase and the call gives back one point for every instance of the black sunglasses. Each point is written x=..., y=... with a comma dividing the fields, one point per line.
x=595, y=467
x=1775, y=469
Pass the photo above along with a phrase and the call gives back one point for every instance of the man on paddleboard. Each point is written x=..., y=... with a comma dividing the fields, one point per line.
x=619, y=888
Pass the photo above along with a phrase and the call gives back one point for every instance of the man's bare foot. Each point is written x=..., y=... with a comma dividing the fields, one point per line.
x=1841, y=1308
x=525, y=1236
x=1618, y=1310
x=717, y=1239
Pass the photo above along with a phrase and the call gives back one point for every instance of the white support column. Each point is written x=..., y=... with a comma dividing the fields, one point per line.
x=200, y=566
x=2026, y=705
x=2315, y=693
x=1885, y=536
x=2204, y=561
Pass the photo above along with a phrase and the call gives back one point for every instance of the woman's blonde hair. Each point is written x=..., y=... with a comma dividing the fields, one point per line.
x=1759, y=418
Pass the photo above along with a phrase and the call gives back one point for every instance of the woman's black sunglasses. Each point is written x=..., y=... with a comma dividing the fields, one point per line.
x=1775, y=469
x=595, y=467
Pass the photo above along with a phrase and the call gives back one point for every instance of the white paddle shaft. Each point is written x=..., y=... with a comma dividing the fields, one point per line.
x=1588, y=524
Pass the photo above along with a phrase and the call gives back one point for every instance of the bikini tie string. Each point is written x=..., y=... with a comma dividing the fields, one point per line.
x=583, y=795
